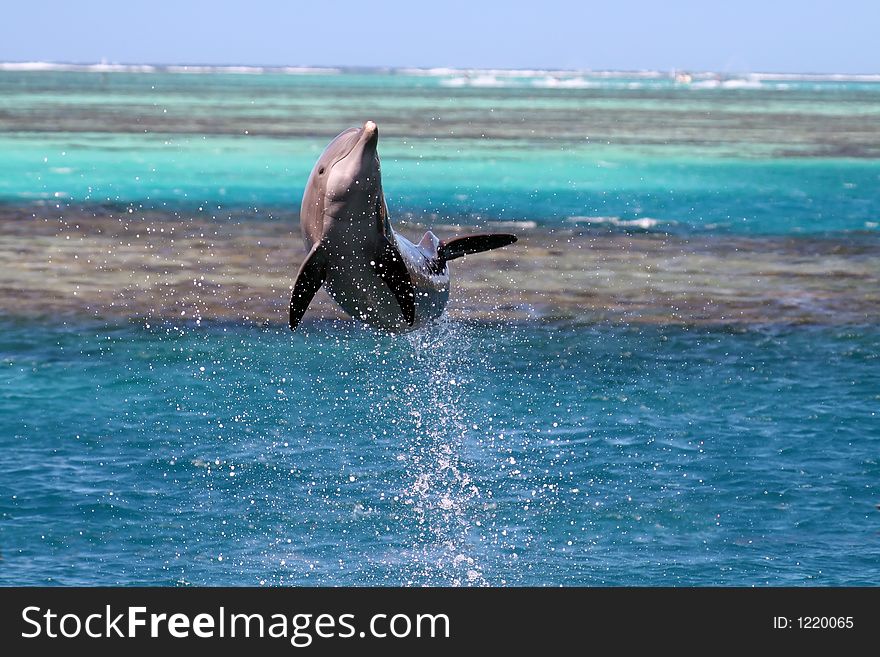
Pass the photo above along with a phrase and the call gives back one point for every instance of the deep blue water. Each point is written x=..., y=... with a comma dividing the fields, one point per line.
x=529, y=454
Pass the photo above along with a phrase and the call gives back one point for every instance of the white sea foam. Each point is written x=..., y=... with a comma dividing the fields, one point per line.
x=513, y=72
x=522, y=225
x=119, y=68
x=817, y=77
x=310, y=70
x=459, y=81
x=245, y=70
x=542, y=78
x=553, y=82
x=104, y=67
x=432, y=72
x=560, y=78
x=26, y=66
x=734, y=83
x=643, y=223
x=741, y=83
x=34, y=195
x=476, y=81
x=81, y=68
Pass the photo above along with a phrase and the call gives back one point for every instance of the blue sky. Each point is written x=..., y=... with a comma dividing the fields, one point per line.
x=733, y=36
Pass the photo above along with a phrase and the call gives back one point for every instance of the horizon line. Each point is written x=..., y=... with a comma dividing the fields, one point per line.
x=145, y=67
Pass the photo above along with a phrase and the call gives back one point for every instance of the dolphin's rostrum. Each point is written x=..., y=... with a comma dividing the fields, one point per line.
x=374, y=274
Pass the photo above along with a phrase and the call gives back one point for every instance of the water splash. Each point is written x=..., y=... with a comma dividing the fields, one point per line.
x=437, y=420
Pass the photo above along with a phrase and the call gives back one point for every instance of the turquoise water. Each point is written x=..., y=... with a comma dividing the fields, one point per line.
x=540, y=452
x=753, y=158
x=521, y=454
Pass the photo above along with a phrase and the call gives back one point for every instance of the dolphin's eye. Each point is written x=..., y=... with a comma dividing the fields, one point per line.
x=321, y=171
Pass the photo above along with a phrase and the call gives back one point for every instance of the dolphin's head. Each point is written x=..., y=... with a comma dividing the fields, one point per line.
x=356, y=174
x=346, y=182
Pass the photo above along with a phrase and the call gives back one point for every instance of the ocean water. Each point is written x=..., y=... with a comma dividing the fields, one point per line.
x=144, y=449
x=465, y=454
x=753, y=157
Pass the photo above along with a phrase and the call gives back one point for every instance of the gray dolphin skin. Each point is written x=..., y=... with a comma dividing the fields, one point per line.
x=374, y=274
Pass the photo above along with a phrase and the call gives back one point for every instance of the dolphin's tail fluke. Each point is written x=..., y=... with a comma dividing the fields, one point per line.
x=309, y=280
x=461, y=246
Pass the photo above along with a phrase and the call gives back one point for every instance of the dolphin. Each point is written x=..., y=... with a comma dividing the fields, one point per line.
x=376, y=275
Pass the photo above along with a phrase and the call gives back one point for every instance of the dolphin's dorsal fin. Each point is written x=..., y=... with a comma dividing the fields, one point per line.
x=460, y=246
x=429, y=244
x=311, y=276
x=392, y=269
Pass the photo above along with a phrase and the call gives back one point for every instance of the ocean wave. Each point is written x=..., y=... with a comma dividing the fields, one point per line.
x=31, y=66
x=430, y=72
x=79, y=68
x=104, y=67
x=540, y=77
x=730, y=80
x=512, y=224
x=119, y=68
x=553, y=82
x=216, y=69
x=551, y=79
x=253, y=70
x=455, y=82
x=494, y=72
x=642, y=223
x=734, y=83
x=817, y=77
x=477, y=81
x=310, y=70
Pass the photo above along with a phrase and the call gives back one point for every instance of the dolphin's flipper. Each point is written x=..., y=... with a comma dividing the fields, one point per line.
x=310, y=278
x=393, y=271
x=460, y=246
